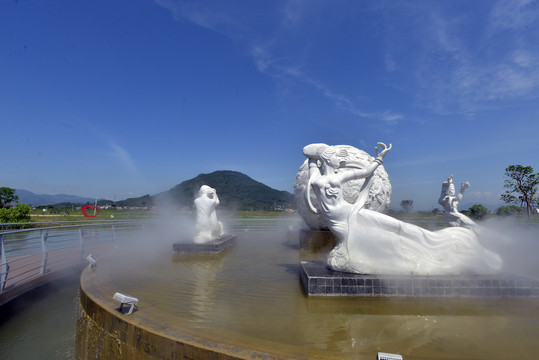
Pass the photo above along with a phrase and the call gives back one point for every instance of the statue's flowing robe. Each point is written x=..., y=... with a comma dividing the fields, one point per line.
x=379, y=244
x=375, y=243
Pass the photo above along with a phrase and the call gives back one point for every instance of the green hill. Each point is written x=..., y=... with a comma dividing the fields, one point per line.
x=236, y=191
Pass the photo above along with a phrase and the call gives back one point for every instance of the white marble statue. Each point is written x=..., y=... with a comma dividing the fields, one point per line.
x=207, y=226
x=371, y=242
x=379, y=197
x=450, y=201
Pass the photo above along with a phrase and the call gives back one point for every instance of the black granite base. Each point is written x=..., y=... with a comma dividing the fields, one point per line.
x=215, y=246
x=318, y=280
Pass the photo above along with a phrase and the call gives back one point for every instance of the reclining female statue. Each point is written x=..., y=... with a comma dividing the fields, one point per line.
x=374, y=243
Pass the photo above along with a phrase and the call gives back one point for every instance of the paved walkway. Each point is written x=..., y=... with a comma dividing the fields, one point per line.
x=25, y=271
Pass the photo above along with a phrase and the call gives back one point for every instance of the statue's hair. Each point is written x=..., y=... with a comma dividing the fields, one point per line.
x=327, y=152
x=321, y=151
x=203, y=189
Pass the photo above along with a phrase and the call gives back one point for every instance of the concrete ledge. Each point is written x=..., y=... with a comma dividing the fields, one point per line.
x=107, y=334
x=215, y=246
x=318, y=280
x=103, y=333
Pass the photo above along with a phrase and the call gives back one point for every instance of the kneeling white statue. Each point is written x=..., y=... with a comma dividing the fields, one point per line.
x=449, y=200
x=207, y=226
x=371, y=242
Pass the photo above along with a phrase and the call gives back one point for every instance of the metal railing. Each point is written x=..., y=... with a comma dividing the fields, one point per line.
x=28, y=254
x=42, y=224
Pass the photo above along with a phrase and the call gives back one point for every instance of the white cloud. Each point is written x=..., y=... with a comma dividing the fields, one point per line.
x=524, y=58
x=292, y=13
x=123, y=156
x=466, y=61
x=512, y=14
x=267, y=43
x=200, y=13
x=390, y=63
x=344, y=102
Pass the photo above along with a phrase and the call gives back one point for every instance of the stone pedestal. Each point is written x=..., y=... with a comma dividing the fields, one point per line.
x=315, y=240
x=318, y=280
x=213, y=247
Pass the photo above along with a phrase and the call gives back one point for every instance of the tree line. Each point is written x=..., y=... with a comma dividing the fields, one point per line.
x=521, y=188
x=12, y=214
x=520, y=183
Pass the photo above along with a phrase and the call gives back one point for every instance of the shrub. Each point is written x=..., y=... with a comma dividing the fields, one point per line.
x=19, y=213
x=508, y=210
x=477, y=212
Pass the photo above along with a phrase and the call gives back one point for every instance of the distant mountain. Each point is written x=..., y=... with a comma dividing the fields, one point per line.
x=235, y=191
x=30, y=198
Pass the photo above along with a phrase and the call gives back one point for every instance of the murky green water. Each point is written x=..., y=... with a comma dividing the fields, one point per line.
x=42, y=324
x=251, y=296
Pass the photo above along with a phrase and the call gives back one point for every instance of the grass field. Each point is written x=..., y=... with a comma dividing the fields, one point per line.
x=65, y=215
x=38, y=215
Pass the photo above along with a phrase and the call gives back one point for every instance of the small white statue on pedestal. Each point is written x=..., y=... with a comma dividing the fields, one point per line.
x=450, y=201
x=207, y=226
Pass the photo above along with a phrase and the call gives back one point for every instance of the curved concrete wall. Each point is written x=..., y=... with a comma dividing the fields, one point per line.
x=104, y=333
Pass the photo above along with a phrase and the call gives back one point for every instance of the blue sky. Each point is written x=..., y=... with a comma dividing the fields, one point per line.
x=116, y=99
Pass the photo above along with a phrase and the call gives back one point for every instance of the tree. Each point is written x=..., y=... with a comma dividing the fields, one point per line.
x=407, y=205
x=7, y=195
x=508, y=210
x=477, y=212
x=521, y=186
x=19, y=213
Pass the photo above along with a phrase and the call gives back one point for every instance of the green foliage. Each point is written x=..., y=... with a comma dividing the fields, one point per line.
x=19, y=213
x=521, y=185
x=407, y=205
x=478, y=212
x=508, y=210
x=7, y=195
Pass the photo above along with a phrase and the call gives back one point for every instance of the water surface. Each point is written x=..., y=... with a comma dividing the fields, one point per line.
x=251, y=296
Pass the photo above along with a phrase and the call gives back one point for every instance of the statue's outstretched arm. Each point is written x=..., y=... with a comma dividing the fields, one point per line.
x=463, y=186
x=381, y=154
x=366, y=172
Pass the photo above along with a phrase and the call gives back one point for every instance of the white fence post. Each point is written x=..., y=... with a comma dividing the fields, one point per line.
x=81, y=240
x=26, y=246
x=44, y=254
x=4, y=268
